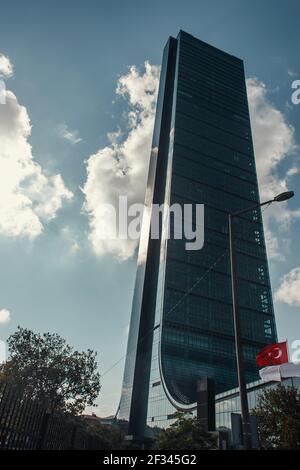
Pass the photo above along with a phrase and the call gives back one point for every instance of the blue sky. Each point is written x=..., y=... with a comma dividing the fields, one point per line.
x=68, y=58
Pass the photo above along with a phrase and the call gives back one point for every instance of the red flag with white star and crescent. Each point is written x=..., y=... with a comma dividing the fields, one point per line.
x=273, y=355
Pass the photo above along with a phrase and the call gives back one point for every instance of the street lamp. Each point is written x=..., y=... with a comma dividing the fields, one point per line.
x=237, y=321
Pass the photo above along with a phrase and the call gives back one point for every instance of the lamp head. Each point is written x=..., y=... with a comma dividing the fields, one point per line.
x=284, y=196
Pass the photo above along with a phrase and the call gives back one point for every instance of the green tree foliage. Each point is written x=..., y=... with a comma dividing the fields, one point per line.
x=278, y=418
x=109, y=434
x=185, y=433
x=52, y=371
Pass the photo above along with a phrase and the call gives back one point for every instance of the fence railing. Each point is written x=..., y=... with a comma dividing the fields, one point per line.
x=25, y=423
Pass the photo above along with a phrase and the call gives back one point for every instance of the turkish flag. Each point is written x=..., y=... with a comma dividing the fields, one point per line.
x=272, y=355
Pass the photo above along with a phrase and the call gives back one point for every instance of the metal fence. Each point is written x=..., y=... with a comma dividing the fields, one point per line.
x=25, y=423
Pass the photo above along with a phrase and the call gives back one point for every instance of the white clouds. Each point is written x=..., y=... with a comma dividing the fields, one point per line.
x=4, y=316
x=292, y=73
x=71, y=239
x=71, y=136
x=289, y=289
x=29, y=196
x=121, y=167
x=292, y=171
x=6, y=67
x=273, y=138
x=275, y=250
x=273, y=142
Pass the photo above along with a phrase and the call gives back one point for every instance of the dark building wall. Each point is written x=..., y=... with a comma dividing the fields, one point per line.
x=207, y=158
x=213, y=163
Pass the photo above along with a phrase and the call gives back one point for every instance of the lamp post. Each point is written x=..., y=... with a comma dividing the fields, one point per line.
x=237, y=320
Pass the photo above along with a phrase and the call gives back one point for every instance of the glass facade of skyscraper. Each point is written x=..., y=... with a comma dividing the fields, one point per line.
x=229, y=402
x=182, y=325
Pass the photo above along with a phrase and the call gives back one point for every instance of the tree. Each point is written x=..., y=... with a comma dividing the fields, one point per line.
x=278, y=418
x=185, y=433
x=110, y=435
x=47, y=368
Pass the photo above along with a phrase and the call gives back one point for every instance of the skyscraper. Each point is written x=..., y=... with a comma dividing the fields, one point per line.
x=181, y=325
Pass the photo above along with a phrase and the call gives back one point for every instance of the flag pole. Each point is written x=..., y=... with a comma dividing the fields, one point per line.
x=287, y=348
